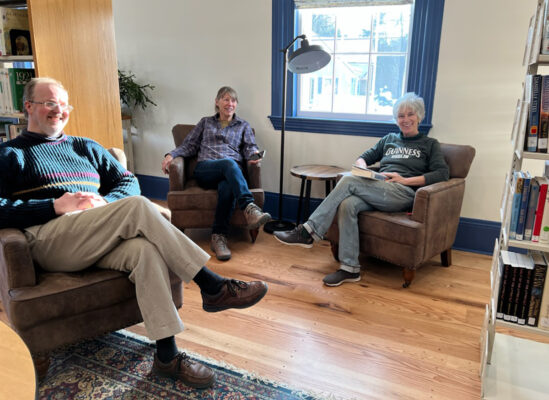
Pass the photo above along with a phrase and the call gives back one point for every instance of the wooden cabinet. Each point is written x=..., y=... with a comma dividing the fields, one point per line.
x=73, y=42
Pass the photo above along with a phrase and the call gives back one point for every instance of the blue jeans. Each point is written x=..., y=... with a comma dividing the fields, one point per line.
x=226, y=176
x=353, y=195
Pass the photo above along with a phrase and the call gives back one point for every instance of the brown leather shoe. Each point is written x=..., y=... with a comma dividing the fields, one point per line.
x=190, y=372
x=234, y=294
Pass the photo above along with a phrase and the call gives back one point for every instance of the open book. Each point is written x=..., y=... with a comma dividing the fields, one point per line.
x=367, y=173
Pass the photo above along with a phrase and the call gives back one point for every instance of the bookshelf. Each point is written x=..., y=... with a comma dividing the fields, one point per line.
x=73, y=42
x=532, y=61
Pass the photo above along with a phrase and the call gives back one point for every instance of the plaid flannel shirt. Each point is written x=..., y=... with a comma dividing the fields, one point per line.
x=211, y=142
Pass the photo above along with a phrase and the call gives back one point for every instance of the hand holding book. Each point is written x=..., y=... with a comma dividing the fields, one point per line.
x=364, y=172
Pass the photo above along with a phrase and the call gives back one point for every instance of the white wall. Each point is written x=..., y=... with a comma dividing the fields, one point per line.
x=189, y=48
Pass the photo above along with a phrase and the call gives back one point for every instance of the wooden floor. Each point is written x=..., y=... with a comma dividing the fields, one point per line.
x=371, y=340
x=366, y=340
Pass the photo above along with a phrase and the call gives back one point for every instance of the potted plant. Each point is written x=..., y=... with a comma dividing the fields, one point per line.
x=133, y=94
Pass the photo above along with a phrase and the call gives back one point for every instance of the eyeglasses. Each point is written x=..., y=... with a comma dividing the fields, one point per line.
x=52, y=105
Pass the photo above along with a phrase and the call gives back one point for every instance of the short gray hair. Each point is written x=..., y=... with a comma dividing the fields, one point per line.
x=222, y=92
x=412, y=101
x=28, y=92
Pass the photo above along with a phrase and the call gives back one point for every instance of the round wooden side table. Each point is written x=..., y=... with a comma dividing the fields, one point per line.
x=17, y=376
x=309, y=173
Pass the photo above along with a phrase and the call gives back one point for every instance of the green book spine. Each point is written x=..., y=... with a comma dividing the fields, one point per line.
x=18, y=79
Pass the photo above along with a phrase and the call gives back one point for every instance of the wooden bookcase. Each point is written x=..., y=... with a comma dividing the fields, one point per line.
x=532, y=61
x=73, y=42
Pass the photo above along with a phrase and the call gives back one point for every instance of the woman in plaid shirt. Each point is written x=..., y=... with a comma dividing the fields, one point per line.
x=222, y=142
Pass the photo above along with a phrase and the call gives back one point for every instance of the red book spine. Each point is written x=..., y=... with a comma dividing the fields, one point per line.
x=539, y=212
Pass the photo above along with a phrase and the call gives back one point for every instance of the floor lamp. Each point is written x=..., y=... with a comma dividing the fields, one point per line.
x=308, y=58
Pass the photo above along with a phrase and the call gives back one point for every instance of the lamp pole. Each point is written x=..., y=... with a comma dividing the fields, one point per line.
x=303, y=60
x=280, y=224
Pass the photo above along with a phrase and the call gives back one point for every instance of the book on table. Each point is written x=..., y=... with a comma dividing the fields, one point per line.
x=357, y=170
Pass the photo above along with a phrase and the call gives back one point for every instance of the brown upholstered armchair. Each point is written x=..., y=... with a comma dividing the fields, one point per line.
x=194, y=207
x=411, y=239
x=51, y=309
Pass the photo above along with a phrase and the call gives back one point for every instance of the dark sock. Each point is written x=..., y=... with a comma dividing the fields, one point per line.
x=166, y=350
x=304, y=233
x=208, y=281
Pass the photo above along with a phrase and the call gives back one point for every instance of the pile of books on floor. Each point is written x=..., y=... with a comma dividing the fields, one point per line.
x=524, y=290
x=12, y=84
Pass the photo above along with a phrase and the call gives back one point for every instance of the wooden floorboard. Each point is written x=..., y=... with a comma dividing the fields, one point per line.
x=366, y=340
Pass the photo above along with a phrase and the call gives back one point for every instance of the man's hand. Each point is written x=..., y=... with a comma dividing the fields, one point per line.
x=361, y=163
x=166, y=164
x=254, y=161
x=77, y=201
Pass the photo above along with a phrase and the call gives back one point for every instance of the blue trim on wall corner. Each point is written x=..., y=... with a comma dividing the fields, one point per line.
x=422, y=71
x=473, y=235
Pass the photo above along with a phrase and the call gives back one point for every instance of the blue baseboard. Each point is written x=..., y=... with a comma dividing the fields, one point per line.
x=153, y=187
x=474, y=235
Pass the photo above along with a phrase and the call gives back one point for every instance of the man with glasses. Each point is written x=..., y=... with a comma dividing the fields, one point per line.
x=79, y=207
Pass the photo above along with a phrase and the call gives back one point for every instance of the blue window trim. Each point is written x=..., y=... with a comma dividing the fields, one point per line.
x=422, y=72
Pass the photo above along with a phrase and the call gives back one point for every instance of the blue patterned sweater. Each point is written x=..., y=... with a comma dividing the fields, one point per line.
x=35, y=170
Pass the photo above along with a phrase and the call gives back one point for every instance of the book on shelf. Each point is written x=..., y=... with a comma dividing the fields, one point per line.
x=524, y=201
x=523, y=283
x=14, y=130
x=537, y=289
x=505, y=274
x=543, y=132
x=538, y=33
x=518, y=180
x=18, y=79
x=531, y=208
x=357, y=170
x=543, y=321
x=513, y=301
x=11, y=18
x=533, y=119
x=545, y=32
x=540, y=208
x=20, y=42
x=544, y=228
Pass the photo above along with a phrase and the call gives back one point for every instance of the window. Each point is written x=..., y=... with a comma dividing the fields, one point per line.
x=354, y=94
x=369, y=48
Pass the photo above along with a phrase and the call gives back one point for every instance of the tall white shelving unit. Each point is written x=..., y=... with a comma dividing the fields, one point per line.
x=533, y=60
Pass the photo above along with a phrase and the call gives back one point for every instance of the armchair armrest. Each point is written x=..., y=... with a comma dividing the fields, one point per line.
x=177, y=174
x=440, y=200
x=254, y=175
x=16, y=265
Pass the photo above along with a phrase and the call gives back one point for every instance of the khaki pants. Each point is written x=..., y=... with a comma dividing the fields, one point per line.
x=127, y=235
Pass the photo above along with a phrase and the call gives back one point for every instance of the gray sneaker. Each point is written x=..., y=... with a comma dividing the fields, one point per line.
x=255, y=217
x=341, y=276
x=296, y=237
x=219, y=247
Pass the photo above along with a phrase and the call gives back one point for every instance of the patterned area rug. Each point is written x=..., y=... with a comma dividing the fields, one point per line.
x=117, y=366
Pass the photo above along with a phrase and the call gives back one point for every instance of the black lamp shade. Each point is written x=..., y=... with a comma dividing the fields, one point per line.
x=308, y=58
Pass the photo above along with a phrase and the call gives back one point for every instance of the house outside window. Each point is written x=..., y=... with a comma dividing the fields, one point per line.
x=370, y=49
x=379, y=51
